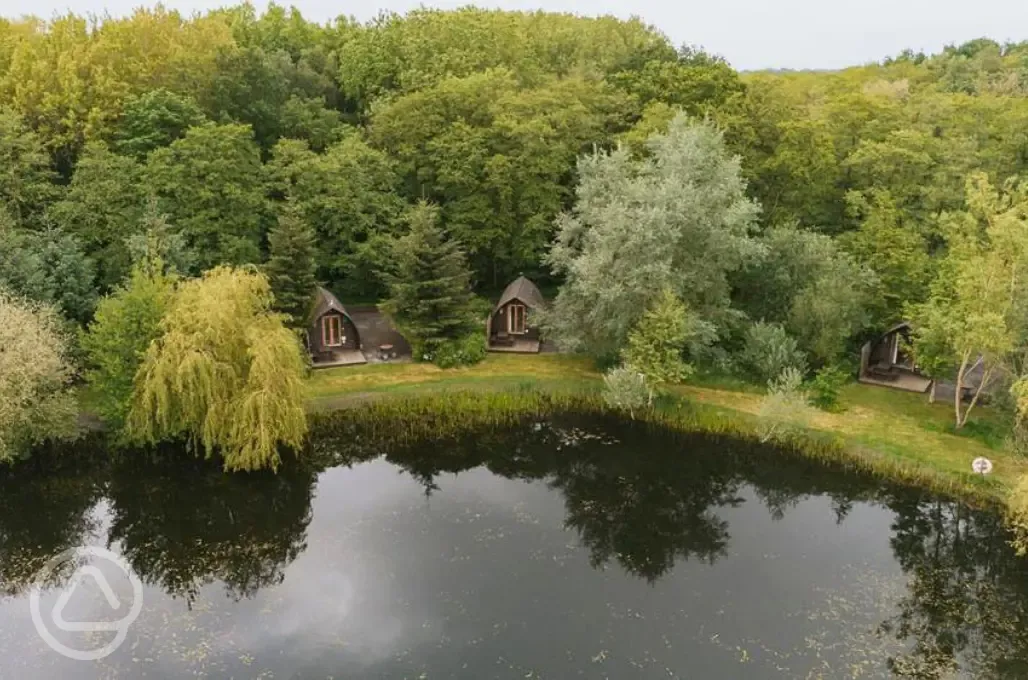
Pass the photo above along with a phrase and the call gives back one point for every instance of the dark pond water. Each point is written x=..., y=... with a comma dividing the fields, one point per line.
x=554, y=550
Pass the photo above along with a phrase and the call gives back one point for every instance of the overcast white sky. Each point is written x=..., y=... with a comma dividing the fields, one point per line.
x=751, y=34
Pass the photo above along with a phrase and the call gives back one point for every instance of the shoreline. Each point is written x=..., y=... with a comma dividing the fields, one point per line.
x=897, y=446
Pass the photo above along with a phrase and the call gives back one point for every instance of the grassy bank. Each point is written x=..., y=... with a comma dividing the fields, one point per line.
x=340, y=387
x=878, y=430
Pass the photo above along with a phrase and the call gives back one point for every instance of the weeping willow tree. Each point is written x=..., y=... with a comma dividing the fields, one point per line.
x=226, y=373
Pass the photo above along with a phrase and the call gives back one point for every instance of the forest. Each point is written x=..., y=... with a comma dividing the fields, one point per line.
x=165, y=175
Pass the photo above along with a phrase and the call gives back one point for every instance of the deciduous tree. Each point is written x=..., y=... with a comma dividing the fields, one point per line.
x=153, y=120
x=894, y=249
x=126, y=323
x=36, y=402
x=497, y=157
x=27, y=182
x=978, y=296
x=805, y=281
x=225, y=373
x=657, y=345
x=678, y=219
x=210, y=182
x=349, y=197
x=103, y=208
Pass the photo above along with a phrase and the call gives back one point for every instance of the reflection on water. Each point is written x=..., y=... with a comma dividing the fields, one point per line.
x=571, y=548
x=183, y=526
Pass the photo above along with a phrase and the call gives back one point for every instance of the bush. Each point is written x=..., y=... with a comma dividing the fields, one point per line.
x=36, y=402
x=1017, y=439
x=1017, y=515
x=126, y=323
x=824, y=388
x=656, y=344
x=625, y=389
x=769, y=351
x=467, y=351
x=784, y=411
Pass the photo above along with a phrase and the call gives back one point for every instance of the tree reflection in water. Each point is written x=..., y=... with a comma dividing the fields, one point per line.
x=637, y=497
x=184, y=523
x=45, y=509
x=966, y=599
x=647, y=498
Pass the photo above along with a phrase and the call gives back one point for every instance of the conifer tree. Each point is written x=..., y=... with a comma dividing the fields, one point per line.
x=291, y=265
x=430, y=292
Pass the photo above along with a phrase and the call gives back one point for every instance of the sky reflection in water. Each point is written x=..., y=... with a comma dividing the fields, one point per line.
x=576, y=549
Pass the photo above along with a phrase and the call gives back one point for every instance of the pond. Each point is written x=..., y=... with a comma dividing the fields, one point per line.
x=567, y=548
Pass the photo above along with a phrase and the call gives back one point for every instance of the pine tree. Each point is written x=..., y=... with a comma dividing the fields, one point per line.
x=291, y=265
x=430, y=292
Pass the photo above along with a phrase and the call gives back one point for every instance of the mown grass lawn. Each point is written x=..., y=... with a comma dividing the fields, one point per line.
x=329, y=388
x=875, y=423
x=901, y=426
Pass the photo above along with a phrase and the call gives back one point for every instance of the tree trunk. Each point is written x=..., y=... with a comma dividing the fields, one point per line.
x=931, y=392
x=959, y=396
x=986, y=376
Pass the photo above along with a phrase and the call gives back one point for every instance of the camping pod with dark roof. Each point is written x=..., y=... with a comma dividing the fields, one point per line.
x=513, y=325
x=886, y=361
x=332, y=336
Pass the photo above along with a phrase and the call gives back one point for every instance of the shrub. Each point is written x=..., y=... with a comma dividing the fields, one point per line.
x=466, y=351
x=768, y=351
x=126, y=323
x=784, y=412
x=1017, y=515
x=36, y=403
x=824, y=388
x=1017, y=439
x=625, y=389
x=656, y=344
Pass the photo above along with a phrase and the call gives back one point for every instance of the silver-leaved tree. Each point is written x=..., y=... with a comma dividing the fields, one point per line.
x=678, y=219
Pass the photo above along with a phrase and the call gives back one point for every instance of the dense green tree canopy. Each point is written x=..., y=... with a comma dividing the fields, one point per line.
x=348, y=195
x=117, y=340
x=211, y=184
x=154, y=119
x=819, y=203
x=497, y=157
x=103, y=208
